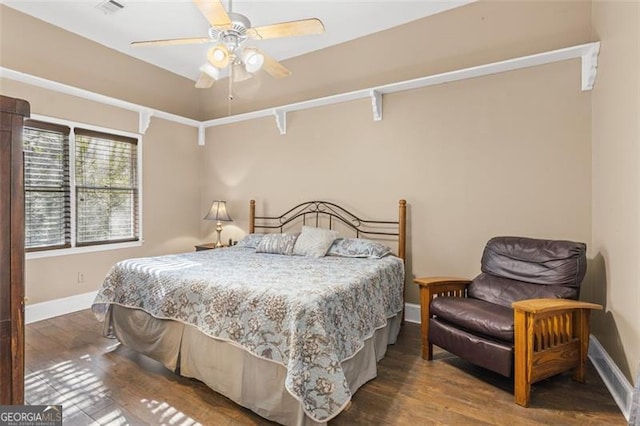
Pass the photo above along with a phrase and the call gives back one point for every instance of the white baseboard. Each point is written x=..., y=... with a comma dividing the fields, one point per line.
x=412, y=313
x=53, y=308
x=618, y=385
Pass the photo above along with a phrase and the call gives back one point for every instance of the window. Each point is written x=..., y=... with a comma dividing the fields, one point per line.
x=46, y=185
x=106, y=188
x=81, y=187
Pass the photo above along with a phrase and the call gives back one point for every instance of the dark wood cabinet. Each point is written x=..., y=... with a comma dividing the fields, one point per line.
x=12, y=114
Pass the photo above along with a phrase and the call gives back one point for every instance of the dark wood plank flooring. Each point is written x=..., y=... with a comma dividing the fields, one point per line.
x=99, y=381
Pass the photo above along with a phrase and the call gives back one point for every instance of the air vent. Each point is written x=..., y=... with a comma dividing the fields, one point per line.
x=110, y=6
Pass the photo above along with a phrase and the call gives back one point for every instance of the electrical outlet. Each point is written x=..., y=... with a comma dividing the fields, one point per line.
x=80, y=278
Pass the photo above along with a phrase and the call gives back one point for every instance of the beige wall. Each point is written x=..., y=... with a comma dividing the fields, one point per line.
x=616, y=181
x=500, y=155
x=171, y=193
x=504, y=154
x=35, y=47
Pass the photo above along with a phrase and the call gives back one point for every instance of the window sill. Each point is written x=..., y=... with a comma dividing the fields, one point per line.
x=81, y=250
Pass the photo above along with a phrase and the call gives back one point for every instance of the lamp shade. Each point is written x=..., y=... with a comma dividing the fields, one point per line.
x=240, y=74
x=252, y=59
x=218, y=212
x=218, y=56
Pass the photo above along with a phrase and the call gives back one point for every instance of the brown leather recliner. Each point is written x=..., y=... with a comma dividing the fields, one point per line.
x=520, y=317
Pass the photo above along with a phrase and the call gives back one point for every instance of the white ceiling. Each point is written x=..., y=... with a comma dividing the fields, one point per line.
x=148, y=20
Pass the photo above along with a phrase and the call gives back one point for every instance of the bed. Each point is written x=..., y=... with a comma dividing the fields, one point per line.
x=290, y=337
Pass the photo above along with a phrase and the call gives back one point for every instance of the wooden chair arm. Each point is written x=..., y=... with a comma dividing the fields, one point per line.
x=542, y=306
x=431, y=287
x=438, y=284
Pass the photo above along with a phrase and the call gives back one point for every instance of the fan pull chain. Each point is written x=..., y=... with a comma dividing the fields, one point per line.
x=230, y=90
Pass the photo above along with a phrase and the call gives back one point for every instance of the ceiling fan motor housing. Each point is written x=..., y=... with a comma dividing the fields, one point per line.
x=236, y=34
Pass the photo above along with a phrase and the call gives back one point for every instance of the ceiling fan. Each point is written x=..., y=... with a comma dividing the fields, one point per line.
x=230, y=33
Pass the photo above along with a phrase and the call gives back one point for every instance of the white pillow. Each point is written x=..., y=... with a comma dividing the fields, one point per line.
x=314, y=242
x=277, y=244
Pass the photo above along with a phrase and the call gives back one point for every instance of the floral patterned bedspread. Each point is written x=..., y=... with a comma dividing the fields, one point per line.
x=308, y=314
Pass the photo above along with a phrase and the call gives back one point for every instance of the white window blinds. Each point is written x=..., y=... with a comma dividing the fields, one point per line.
x=81, y=187
x=47, y=192
x=106, y=188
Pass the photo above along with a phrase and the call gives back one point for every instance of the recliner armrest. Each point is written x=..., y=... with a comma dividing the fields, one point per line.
x=429, y=288
x=541, y=306
x=442, y=284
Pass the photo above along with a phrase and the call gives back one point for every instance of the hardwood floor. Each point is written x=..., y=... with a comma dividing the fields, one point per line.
x=99, y=381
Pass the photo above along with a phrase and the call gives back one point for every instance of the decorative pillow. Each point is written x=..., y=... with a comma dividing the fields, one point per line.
x=250, y=240
x=314, y=242
x=277, y=244
x=358, y=247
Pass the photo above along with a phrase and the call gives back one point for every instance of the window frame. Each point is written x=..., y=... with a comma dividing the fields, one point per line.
x=75, y=249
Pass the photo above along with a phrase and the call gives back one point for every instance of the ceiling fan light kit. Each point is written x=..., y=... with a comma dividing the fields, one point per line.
x=253, y=60
x=239, y=73
x=218, y=56
x=230, y=31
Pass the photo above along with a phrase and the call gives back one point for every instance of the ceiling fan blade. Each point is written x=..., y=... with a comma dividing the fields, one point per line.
x=215, y=13
x=274, y=68
x=171, y=41
x=204, y=81
x=287, y=29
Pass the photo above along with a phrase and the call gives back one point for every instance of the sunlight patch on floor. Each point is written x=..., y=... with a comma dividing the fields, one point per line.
x=71, y=383
x=168, y=414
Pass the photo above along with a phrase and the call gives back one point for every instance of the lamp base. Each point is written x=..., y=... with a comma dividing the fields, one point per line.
x=219, y=230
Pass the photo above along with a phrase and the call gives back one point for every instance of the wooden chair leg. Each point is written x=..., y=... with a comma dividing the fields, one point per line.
x=427, y=347
x=522, y=394
x=522, y=383
x=582, y=331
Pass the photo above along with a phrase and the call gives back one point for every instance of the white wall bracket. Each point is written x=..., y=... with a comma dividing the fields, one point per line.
x=201, y=131
x=376, y=104
x=590, y=66
x=144, y=119
x=281, y=120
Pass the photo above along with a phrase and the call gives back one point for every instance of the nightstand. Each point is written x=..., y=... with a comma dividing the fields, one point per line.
x=209, y=246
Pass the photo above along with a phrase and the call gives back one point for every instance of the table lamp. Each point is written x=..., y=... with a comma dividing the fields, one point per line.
x=218, y=212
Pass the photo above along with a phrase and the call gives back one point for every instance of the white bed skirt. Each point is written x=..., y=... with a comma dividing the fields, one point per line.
x=250, y=381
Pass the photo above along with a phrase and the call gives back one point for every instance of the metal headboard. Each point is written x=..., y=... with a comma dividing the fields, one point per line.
x=312, y=212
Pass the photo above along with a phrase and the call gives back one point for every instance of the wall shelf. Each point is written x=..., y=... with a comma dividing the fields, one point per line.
x=588, y=53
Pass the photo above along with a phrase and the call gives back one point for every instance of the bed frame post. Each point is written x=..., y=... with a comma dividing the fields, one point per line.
x=252, y=216
x=402, y=225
